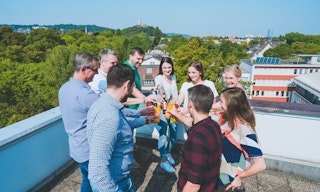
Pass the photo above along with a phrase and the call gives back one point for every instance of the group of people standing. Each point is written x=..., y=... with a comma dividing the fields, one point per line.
x=99, y=107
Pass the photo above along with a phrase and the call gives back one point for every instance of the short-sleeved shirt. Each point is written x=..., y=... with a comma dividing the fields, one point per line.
x=99, y=82
x=136, y=81
x=169, y=88
x=232, y=158
x=75, y=99
x=201, y=154
x=186, y=85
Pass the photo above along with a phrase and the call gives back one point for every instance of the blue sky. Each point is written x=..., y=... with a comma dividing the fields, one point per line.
x=198, y=18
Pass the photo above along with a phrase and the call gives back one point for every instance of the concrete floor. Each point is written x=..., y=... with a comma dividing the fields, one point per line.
x=149, y=177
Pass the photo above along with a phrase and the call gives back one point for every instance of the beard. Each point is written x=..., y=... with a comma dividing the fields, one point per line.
x=124, y=99
x=129, y=92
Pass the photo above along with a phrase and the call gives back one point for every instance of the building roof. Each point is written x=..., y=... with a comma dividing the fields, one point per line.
x=311, y=80
x=306, y=55
x=282, y=63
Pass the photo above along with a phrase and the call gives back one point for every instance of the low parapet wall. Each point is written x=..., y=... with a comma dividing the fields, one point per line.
x=33, y=152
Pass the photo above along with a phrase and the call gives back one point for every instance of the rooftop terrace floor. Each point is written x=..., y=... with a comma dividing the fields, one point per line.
x=149, y=177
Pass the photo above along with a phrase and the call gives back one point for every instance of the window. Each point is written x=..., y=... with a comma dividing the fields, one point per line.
x=295, y=71
x=262, y=93
x=257, y=93
x=282, y=93
x=148, y=82
x=300, y=71
x=277, y=93
x=311, y=70
x=149, y=70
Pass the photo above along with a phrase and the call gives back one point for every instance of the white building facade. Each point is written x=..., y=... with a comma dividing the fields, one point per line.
x=307, y=89
x=272, y=81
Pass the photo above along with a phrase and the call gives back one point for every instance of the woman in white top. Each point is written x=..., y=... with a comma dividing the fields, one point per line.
x=167, y=80
x=195, y=77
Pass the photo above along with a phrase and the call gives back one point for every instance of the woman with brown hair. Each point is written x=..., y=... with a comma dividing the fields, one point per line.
x=195, y=77
x=241, y=154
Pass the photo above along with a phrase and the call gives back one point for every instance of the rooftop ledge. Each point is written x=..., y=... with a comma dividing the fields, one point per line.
x=37, y=148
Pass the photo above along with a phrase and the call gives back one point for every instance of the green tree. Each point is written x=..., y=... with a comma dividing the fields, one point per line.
x=13, y=38
x=57, y=69
x=175, y=42
x=5, y=31
x=7, y=99
x=51, y=36
x=14, y=52
x=141, y=40
x=118, y=32
x=157, y=36
x=68, y=39
x=313, y=48
x=87, y=39
x=39, y=41
x=228, y=48
x=185, y=54
x=294, y=37
x=283, y=51
x=299, y=47
x=26, y=92
x=76, y=33
x=120, y=45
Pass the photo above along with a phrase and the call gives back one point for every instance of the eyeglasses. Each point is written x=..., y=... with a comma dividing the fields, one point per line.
x=93, y=69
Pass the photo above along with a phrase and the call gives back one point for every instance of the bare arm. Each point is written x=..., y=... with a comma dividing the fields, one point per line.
x=187, y=120
x=131, y=101
x=179, y=99
x=257, y=166
x=190, y=187
x=140, y=98
x=136, y=93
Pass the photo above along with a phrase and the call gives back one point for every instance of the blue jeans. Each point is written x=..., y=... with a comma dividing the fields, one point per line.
x=85, y=186
x=125, y=185
x=166, y=140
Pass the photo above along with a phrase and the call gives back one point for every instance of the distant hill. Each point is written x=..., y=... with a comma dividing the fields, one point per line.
x=149, y=30
x=60, y=27
x=173, y=34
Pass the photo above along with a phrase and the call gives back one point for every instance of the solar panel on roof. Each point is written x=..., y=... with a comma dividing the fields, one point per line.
x=268, y=60
x=258, y=59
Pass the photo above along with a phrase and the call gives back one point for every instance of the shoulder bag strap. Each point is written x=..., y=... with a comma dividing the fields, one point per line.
x=235, y=143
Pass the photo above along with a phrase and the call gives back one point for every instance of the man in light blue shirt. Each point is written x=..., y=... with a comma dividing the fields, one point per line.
x=110, y=135
x=75, y=99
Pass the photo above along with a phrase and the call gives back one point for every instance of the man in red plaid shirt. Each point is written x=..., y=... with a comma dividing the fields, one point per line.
x=202, y=150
